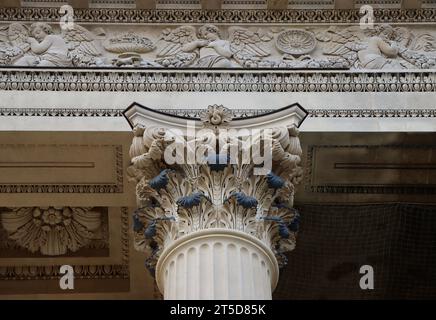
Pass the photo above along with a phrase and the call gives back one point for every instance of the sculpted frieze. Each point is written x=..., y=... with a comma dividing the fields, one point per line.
x=39, y=45
x=384, y=47
x=212, y=46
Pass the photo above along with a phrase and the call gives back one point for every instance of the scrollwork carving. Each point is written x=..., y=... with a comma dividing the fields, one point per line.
x=246, y=16
x=176, y=199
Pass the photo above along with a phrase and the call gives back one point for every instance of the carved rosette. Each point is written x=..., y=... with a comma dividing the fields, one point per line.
x=51, y=230
x=216, y=116
x=221, y=192
x=296, y=42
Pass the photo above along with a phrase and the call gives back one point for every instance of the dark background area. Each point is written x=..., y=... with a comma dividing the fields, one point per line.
x=398, y=240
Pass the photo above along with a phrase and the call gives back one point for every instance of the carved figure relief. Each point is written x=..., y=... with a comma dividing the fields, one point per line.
x=207, y=48
x=210, y=46
x=173, y=53
x=383, y=47
x=38, y=45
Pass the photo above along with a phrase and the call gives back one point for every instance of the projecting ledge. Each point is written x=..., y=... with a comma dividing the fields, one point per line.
x=292, y=115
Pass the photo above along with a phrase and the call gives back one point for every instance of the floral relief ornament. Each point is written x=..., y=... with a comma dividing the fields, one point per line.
x=216, y=115
x=51, y=230
x=296, y=42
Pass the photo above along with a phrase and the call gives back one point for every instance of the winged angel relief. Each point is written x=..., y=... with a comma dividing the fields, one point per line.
x=40, y=46
x=383, y=47
x=184, y=47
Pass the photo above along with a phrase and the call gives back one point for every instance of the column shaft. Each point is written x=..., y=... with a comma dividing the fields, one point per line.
x=217, y=264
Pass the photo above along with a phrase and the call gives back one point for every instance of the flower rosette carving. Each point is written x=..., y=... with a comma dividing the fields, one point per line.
x=296, y=42
x=216, y=115
x=51, y=230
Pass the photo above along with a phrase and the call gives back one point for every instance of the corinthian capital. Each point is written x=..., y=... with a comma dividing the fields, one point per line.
x=214, y=177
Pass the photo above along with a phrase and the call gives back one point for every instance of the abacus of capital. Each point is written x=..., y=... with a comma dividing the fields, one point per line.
x=214, y=229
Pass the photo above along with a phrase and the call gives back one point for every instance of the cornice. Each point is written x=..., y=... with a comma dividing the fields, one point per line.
x=372, y=113
x=137, y=114
x=146, y=80
x=238, y=113
x=115, y=15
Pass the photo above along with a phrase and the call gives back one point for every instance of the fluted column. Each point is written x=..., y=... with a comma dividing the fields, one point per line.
x=217, y=264
x=215, y=212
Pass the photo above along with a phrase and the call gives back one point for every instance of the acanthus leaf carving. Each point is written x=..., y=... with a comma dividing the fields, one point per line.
x=177, y=199
x=51, y=231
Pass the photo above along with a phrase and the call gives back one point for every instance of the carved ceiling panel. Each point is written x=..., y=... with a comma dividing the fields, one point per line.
x=96, y=269
x=372, y=168
x=365, y=167
x=54, y=231
x=57, y=168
